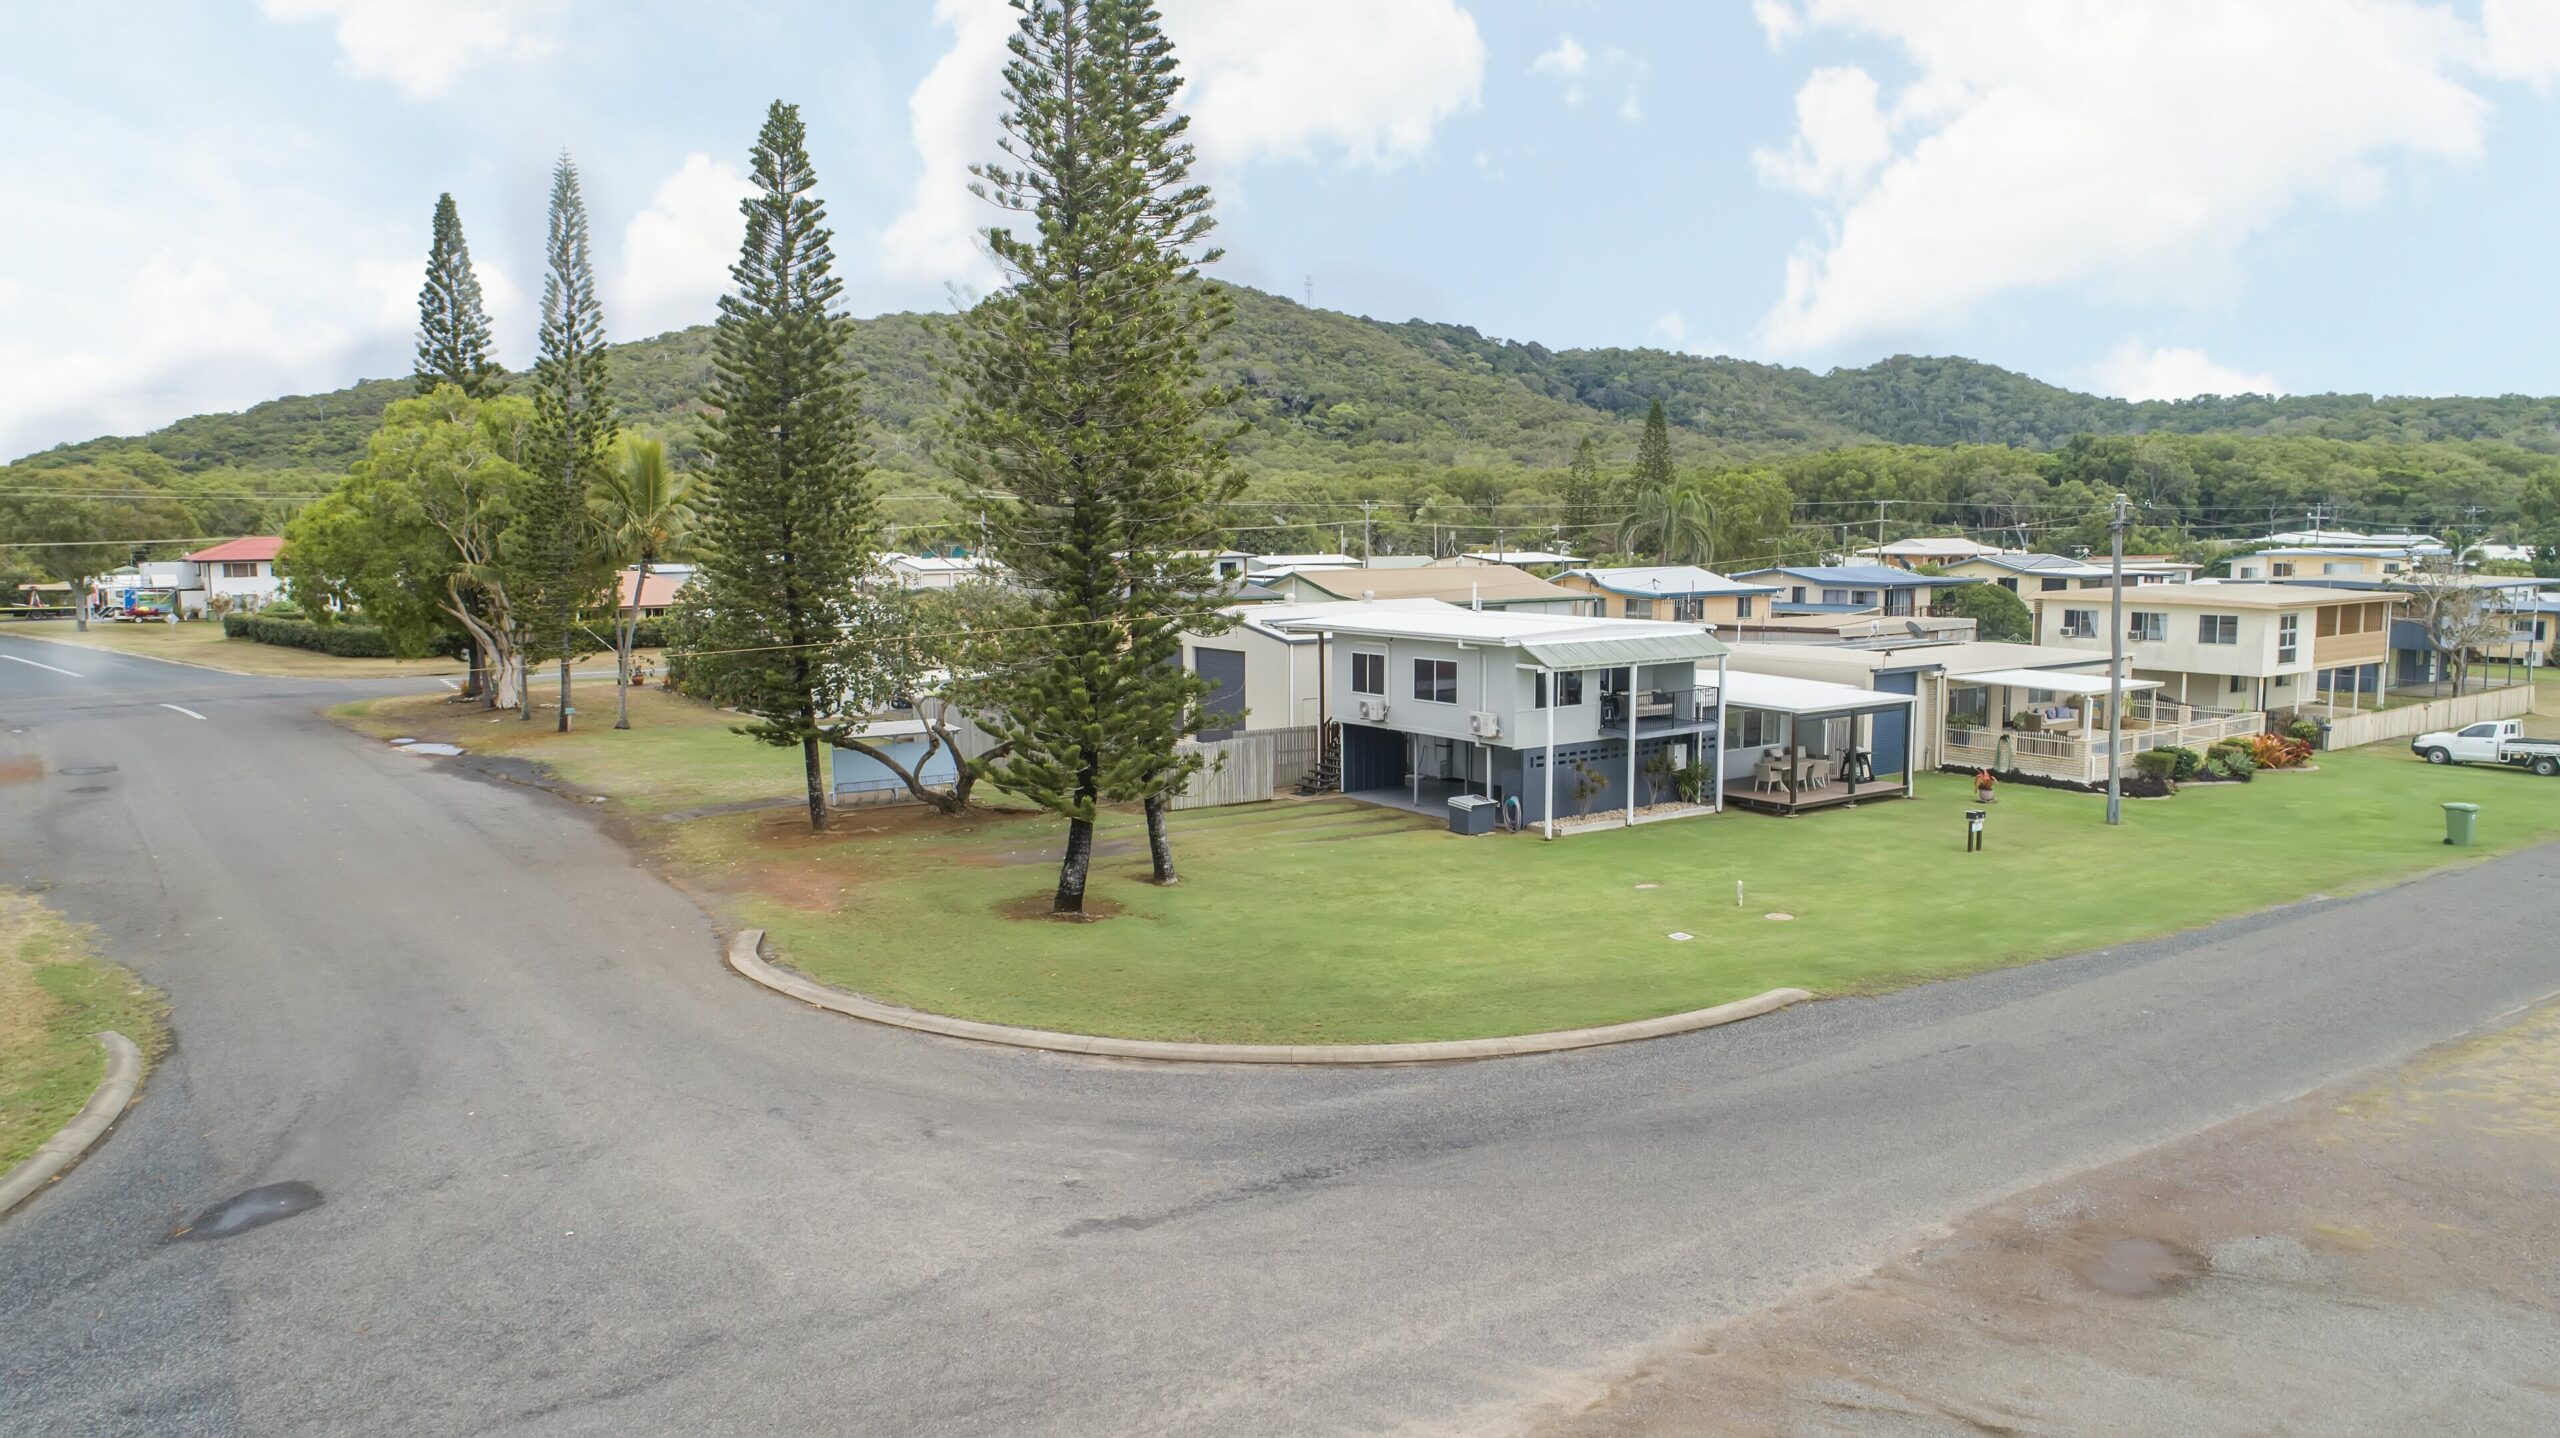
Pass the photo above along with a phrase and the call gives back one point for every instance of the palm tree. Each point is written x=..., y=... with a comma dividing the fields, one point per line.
x=1673, y=522
x=646, y=512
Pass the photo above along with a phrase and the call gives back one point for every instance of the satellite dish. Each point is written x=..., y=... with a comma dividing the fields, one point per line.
x=1918, y=629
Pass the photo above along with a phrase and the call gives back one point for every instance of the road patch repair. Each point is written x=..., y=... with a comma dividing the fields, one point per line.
x=2378, y=1257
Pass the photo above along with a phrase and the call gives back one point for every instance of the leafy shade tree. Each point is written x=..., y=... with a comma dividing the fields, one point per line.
x=1674, y=524
x=1652, y=470
x=1753, y=517
x=786, y=527
x=2460, y=619
x=1083, y=397
x=555, y=545
x=416, y=536
x=453, y=325
x=644, y=508
x=1997, y=614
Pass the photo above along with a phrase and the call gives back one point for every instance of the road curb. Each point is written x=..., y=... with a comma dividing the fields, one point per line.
x=106, y=1104
x=746, y=958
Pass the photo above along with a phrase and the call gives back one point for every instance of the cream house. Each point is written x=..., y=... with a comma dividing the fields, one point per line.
x=1684, y=593
x=2324, y=562
x=2233, y=646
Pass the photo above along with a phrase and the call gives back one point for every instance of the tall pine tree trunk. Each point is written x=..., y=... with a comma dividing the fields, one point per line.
x=817, y=784
x=629, y=636
x=565, y=662
x=1071, y=873
x=1159, y=845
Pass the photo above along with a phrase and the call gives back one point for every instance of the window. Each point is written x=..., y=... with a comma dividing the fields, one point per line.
x=1369, y=674
x=1862, y=597
x=2283, y=569
x=2079, y=624
x=1897, y=601
x=2050, y=586
x=1689, y=609
x=1436, y=680
x=2330, y=622
x=2238, y=683
x=2009, y=584
x=1742, y=605
x=2481, y=731
x=1568, y=690
x=1969, y=706
x=2288, y=638
x=2342, y=566
x=2217, y=629
x=2147, y=627
x=1639, y=609
x=238, y=569
x=1754, y=728
x=1835, y=596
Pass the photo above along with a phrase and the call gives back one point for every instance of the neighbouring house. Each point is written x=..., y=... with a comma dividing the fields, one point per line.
x=242, y=572
x=936, y=571
x=1795, y=744
x=1473, y=586
x=2329, y=562
x=2161, y=568
x=2238, y=647
x=1265, y=676
x=2426, y=544
x=1850, y=589
x=2415, y=659
x=1518, y=558
x=2051, y=573
x=1681, y=592
x=1258, y=565
x=1223, y=563
x=658, y=595
x=1912, y=553
x=1957, y=685
x=859, y=779
x=1565, y=715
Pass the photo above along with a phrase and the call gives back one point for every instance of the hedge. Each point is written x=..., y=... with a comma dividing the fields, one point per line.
x=347, y=641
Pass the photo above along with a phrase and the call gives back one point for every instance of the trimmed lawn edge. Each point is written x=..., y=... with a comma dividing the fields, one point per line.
x=746, y=956
x=107, y=1103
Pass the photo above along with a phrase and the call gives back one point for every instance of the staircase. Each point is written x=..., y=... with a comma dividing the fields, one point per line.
x=1326, y=776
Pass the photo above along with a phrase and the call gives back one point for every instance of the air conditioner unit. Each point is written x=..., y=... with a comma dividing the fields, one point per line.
x=1484, y=725
x=1373, y=711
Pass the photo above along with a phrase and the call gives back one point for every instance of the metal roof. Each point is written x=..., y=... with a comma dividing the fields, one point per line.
x=1667, y=581
x=1779, y=694
x=2047, y=679
x=1623, y=650
x=1872, y=575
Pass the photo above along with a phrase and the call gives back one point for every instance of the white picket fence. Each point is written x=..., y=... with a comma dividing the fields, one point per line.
x=2346, y=731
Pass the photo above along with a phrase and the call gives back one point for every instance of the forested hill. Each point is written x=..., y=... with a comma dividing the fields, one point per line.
x=1328, y=395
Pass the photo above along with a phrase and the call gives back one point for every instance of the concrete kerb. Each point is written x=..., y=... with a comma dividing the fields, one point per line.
x=746, y=956
x=106, y=1104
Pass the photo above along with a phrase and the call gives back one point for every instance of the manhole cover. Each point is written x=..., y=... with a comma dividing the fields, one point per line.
x=87, y=769
x=252, y=1208
x=1779, y=918
x=404, y=741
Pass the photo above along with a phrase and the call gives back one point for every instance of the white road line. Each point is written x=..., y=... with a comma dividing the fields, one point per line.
x=449, y=684
x=183, y=709
x=14, y=659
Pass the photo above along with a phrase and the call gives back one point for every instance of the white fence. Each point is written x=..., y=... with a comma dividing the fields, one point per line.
x=2346, y=731
x=2054, y=754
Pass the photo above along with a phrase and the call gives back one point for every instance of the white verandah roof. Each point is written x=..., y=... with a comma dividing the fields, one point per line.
x=2055, y=681
x=1778, y=694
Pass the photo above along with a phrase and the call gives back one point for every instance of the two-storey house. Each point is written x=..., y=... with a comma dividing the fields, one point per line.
x=1683, y=593
x=2235, y=647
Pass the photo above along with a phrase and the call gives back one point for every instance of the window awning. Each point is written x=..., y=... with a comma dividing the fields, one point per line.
x=2055, y=681
x=1619, y=651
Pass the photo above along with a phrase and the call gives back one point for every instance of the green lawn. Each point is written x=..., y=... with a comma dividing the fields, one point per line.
x=55, y=994
x=203, y=642
x=1327, y=921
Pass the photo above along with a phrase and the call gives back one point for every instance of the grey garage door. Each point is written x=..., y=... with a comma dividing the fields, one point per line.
x=1224, y=708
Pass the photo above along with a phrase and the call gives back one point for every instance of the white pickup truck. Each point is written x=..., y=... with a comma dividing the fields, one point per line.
x=2494, y=741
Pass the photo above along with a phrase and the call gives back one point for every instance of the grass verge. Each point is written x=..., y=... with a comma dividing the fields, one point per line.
x=203, y=642
x=56, y=994
x=1325, y=921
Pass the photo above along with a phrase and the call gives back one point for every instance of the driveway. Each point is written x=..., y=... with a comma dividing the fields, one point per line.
x=575, y=1178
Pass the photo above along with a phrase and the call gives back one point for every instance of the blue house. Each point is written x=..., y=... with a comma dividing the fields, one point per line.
x=861, y=779
x=1850, y=589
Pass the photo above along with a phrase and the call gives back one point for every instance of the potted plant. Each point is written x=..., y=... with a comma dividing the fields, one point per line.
x=1985, y=786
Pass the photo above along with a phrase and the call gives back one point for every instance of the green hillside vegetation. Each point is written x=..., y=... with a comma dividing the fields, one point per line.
x=1458, y=436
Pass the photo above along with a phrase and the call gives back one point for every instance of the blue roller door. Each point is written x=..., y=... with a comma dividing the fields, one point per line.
x=1893, y=727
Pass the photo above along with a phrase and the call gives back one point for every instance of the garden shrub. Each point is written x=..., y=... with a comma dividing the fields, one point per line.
x=346, y=641
x=2148, y=786
x=2161, y=764
x=2188, y=762
x=2304, y=731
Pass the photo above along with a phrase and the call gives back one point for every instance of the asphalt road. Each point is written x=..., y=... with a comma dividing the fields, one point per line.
x=577, y=1179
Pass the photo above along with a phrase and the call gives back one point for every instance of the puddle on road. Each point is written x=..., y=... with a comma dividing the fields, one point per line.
x=86, y=769
x=2139, y=1267
x=252, y=1208
x=414, y=748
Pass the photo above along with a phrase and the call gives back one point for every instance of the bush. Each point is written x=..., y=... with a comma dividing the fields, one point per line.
x=347, y=641
x=280, y=609
x=2303, y=731
x=2275, y=751
x=2147, y=786
x=2188, y=762
x=2161, y=764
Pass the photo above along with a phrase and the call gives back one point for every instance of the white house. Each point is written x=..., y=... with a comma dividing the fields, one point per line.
x=241, y=572
x=934, y=571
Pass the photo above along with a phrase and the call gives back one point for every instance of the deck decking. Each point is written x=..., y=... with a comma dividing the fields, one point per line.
x=1741, y=793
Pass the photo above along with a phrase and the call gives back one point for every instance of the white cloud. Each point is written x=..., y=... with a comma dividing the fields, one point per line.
x=2138, y=371
x=1841, y=137
x=1568, y=59
x=1368, y=80
x=676, y=253
x=1777, y=20
x=1631, y=109
x=182, y=331
x=2522, y=38
x=421, y=45
x=1671, y=329
x=395, y=285
x=2119, y=152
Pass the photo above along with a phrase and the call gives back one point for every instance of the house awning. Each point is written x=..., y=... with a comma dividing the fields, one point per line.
x=1778, y=694
x=2057, y=682
x=1621, y=651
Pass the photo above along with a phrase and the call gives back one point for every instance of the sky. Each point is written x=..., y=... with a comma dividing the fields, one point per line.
x=208, y=203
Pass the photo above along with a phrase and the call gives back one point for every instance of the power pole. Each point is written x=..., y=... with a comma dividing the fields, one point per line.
x=2115, y=671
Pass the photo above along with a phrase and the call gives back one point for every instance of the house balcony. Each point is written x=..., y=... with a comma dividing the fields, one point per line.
x=2080, y=756
x=1659, y=711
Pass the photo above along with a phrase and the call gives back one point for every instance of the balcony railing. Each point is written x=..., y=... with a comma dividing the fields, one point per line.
x=1660, y=708
x=2064, y=754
